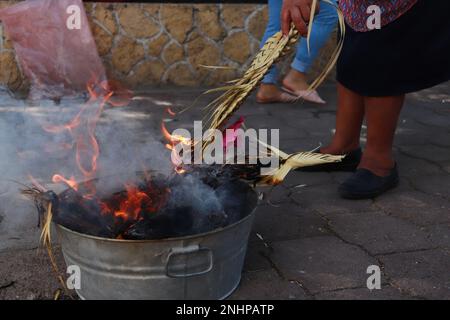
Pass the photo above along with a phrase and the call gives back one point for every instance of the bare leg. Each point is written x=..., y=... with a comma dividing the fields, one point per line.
x=295, y=80
x=382, y=116
x=349, y=118
x=269, y=93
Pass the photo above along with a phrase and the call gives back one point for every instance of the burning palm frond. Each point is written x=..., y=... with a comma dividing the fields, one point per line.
x=276, y=47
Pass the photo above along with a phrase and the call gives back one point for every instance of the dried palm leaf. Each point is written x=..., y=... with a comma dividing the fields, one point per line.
x=43, y=199
x=298, y=160
x=225, y=105
x=276, y=47
x=294, y=161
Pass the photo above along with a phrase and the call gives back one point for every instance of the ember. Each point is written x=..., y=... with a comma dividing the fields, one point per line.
x=202, y=200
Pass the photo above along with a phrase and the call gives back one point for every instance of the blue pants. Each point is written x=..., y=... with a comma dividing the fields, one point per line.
x=324, y=24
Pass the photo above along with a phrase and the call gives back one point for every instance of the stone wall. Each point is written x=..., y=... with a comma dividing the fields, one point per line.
x=153, y=44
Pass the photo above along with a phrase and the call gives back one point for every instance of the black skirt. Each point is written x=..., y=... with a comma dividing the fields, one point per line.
x=409, y=54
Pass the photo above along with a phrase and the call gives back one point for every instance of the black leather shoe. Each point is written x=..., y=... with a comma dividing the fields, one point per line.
x=364, y=184
x=349, y=163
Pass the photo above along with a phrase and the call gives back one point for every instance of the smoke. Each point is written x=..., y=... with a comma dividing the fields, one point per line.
x=129, y=141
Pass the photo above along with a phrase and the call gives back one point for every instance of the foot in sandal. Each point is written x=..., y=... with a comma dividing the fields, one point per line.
x=270, y=93
x=295, y=84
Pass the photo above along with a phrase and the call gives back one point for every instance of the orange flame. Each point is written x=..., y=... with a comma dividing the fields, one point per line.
x=83, y=126
x=131, y=207
x=71, y=182
x=173, y=141
x=170, y=112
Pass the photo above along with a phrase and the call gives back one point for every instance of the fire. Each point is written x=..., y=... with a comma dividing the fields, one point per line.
x=131, y=207
x=170, y=112
x=173, y=141
x=82, y=129
x=131, y=204
x=71, y=182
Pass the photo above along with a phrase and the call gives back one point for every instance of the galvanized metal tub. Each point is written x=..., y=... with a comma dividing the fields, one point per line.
x=203, y=266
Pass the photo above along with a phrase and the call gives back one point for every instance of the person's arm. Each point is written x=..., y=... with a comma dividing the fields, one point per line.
x=297, y=12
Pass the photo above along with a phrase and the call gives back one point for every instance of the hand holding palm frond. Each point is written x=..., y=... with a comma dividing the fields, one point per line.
x=225, y=105
x=275, y=47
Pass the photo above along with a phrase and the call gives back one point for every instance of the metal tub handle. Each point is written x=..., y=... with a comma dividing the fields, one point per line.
x=177, y=253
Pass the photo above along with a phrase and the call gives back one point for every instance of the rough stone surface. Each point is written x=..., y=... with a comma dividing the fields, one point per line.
x=386, y=292
x=147, y=73
x=379, y=233
x=178, y=20
x=181, y=74
x=152, y=9
x=421, y=274
x=154, y=25
x=257, y=23
x=173, y=52
x=104, y=14
x=208, y=21
x=103, y=40
x=36, y=281
x=136, y=24
x=235, y=15
x=156, y=46
x=9, y=71
x=237, y=47
x=202, y=53
x=126, y=54
x=279, y=288
x=322, y=263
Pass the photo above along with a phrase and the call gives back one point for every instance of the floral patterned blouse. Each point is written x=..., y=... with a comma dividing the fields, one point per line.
x=356, y=16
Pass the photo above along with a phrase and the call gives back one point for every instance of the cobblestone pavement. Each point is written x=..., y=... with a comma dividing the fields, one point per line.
x=307, y=243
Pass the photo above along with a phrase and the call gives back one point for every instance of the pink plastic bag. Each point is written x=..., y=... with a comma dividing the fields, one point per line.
x=54, y=45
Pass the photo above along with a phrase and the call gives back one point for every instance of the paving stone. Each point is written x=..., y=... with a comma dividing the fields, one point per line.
x=339, y=177
x=297, y=180
x=446, y=166
x=313, y=126
x=410, y=167
x=385, y=293
x=274, y=195
x=257, y=253
x=301, y=143
x=428, y=152
x=267, y=284
x=429, y=118
x=409, y=133
x=436, y=184
x=322, y=263
x=27, y=274
x=262, y=121
x=297, y=249
x=439, y=138
x=421, y=274
x=287, y=222
x=325, y=199
x=414, y=206
x=251, y=108
x=379, y=233
x=439, y=235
